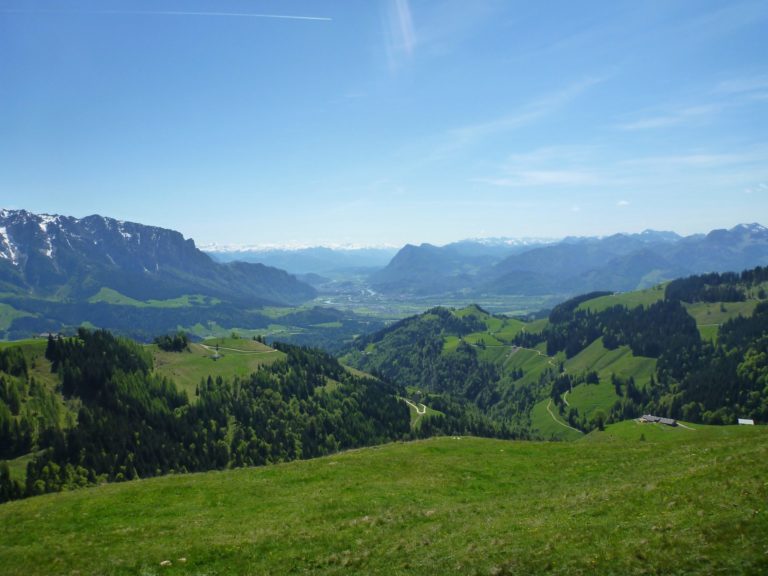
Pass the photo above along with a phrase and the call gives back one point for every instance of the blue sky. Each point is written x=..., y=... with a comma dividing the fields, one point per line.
x=389, y=121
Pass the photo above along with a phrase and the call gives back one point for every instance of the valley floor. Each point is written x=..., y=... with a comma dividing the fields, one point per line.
x=631, y=500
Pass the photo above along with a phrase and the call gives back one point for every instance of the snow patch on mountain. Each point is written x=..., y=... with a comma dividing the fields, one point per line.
x=7, y=249
x=753, y=228
x=292, y=247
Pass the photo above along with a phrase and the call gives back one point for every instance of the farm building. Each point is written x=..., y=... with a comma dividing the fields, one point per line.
x=746, y=422
x=658, y=419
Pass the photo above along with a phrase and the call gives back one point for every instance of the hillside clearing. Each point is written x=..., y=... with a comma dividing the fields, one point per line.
x=225, y=357
x=629, y=299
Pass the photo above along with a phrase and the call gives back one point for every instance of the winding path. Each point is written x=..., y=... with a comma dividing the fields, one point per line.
x=550, y=361
x=415, y=407
x=549, y=409
x=252, y=352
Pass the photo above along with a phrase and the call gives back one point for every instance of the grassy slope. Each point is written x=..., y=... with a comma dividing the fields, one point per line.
x=710, y=315
x=605, y=362
x=588, y=398
x=628, y=299
x=686, y=503
x=591, y=397
x=546, y=427
x=494, y=344
x=18, y=467
x=110, y=296
x=237, y=357
x=8, y=314
x=38, y=366
x=532, y=361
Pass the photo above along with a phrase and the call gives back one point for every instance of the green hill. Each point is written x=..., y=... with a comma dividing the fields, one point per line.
x=680, y=502
x=467, y=357
x=92, y=408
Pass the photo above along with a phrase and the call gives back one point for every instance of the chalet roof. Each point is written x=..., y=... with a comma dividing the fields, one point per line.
x=659, y=419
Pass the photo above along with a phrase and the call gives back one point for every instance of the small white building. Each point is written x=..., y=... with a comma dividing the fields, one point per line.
x=746, y=422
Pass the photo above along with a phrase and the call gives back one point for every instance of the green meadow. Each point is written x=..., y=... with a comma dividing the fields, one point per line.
x=234, y=357
x=629, y=299
x=549, y=427
x=635, y=499
x=606, y=362
x=110, y=296
x=8, y=314
x=710, y=315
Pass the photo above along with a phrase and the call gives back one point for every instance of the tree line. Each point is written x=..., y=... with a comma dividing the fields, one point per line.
x=718, y=287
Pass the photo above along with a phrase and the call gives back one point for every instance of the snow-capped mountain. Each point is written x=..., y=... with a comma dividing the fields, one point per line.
x=71, y=258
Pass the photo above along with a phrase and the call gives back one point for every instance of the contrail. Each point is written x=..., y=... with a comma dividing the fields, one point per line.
x=169, y=13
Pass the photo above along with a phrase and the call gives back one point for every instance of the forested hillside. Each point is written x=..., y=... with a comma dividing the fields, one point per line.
x=618, y=356
x=132, y=423
x=463, y=358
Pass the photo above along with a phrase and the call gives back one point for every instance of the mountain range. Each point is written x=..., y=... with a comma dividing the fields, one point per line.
x=59, y=271
x=619, y=262
x=72, y=259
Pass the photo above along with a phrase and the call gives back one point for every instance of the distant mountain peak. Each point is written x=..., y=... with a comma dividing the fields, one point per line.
x=754, y=227
x=661, y=235
x=510, y=241
x=216, y=248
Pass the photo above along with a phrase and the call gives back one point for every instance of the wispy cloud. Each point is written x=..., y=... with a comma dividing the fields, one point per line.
x=547, y=167
x=744, y=91
x=742, y=85
x=724, y=96
x=401, y=37
x=533, y=178
x=622, y=203
x=167, y=13
x=673, y=118
x=444, y=26
x=760, y=188
x=696, y=160
x=707, y=172
x=727, y=19
x=468, y=135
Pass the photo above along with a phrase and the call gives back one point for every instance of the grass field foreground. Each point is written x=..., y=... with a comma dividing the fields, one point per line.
x=689, y=502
